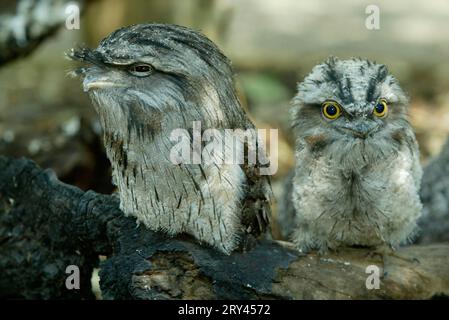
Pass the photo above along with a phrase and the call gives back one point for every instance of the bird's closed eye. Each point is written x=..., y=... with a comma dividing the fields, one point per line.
x=141, y=69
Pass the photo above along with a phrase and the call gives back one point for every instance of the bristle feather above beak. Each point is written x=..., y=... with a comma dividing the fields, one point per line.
x=86, y=55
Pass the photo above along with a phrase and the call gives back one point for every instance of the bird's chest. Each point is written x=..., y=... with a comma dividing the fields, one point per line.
x=364, y=193
x=150, y=184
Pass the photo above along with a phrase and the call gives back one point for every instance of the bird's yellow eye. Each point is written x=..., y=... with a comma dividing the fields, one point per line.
x=331, y=110
x=381, y=108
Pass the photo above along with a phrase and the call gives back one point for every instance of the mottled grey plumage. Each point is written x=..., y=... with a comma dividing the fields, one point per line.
x=190, y=80
x=357, y=177
x=434, y=223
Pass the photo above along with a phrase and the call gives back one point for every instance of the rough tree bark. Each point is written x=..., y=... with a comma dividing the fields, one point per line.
x=25, y=24
x=46, y=225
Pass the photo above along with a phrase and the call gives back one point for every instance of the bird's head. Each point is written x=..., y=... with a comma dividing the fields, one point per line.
x=144, y=72
x=350, y=102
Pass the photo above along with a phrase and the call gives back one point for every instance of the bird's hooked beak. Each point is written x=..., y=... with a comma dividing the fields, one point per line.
x=363, y=129
x=99, y=80
x=92, y=82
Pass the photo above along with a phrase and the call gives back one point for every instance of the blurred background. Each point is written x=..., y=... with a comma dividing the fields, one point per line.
x=273, y=44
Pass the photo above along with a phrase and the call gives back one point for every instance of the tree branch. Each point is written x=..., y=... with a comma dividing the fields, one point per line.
x=46, y=225
x=25, y=24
